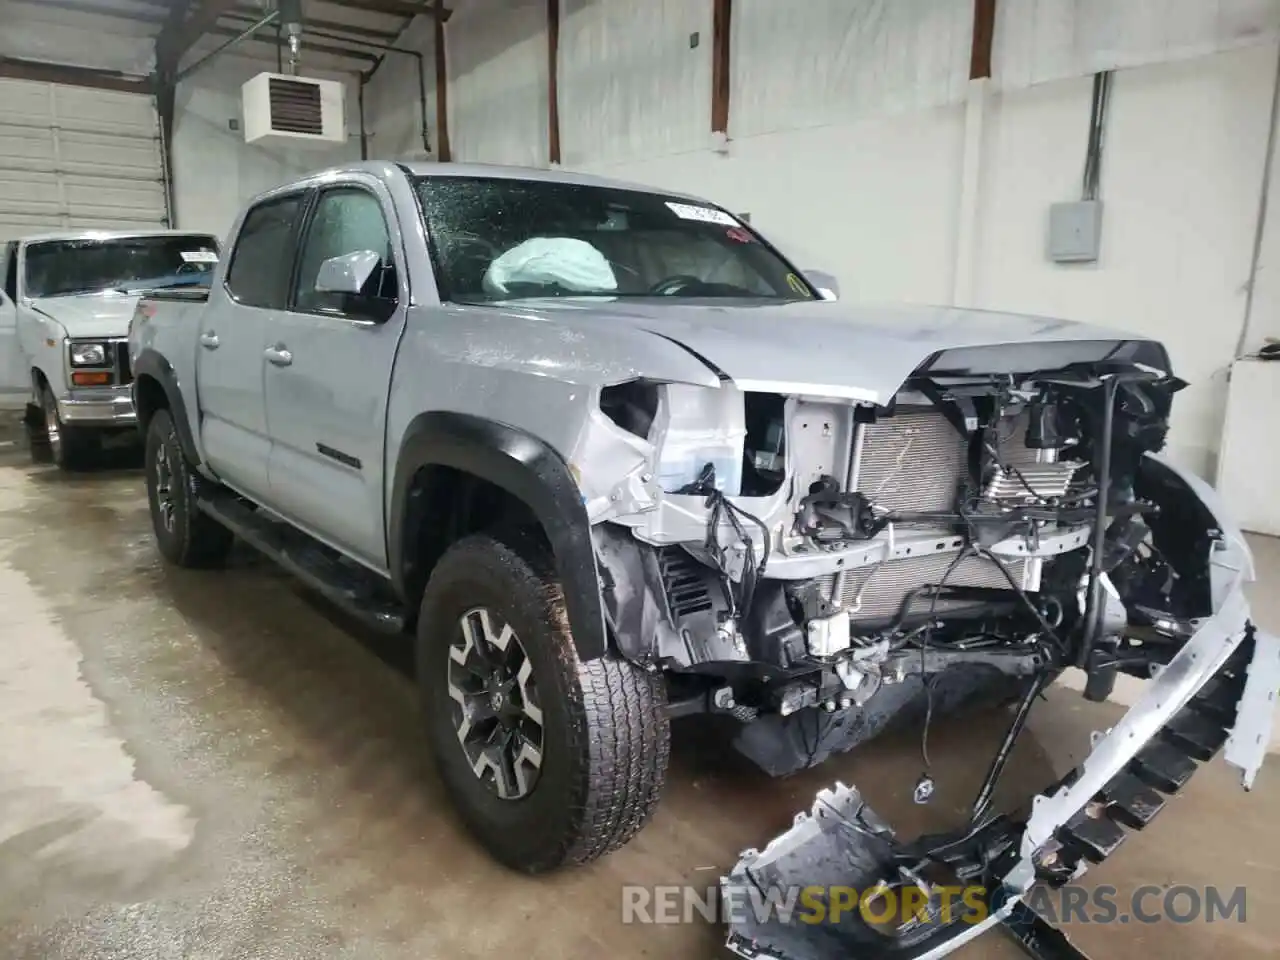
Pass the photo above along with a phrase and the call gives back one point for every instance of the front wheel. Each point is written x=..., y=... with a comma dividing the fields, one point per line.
x=185, y=536
x=550, y=761
x=70, y=448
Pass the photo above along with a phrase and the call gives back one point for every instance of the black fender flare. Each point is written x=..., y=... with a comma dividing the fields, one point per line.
x=153, y=364
x=528, y=469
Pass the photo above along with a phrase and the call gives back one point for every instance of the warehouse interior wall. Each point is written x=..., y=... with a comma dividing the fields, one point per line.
x=393, y=115
x=214, y=170
x=32, y=31
x=858, y=143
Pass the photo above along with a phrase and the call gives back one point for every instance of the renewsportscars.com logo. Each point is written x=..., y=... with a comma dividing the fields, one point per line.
x=884, y=906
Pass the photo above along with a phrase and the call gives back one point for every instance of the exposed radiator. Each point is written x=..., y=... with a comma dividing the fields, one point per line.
x=916, y=461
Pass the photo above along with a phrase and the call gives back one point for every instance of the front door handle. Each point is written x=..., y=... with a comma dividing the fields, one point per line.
x=209, y=340
x=278, y=355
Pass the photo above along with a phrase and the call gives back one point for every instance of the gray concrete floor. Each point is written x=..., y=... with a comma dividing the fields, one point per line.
x=215, y=766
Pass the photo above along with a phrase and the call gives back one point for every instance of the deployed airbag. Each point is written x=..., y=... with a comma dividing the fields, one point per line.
x=563, y=262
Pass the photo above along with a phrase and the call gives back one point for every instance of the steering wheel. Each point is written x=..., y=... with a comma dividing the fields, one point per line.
x=477, y=246
x=188, y=267
x=673, y=285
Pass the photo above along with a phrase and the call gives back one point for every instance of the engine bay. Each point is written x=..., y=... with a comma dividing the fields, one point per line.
x=819, y=568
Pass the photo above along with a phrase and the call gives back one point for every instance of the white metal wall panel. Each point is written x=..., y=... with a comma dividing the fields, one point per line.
x=1042, y=40
x=809, y=64
x=631, y=83
x=76, y=157
x=497, y=55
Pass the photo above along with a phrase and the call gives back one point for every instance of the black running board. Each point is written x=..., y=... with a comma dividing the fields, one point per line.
x=358, y=592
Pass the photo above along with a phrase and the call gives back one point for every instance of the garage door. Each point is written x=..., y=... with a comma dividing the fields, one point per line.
x=77, y=157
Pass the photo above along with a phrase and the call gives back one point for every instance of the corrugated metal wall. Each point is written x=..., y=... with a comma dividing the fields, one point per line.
x=635, y=78
x=632, y=84
x=1042, y=40
x=497, y=53
x=808, y=64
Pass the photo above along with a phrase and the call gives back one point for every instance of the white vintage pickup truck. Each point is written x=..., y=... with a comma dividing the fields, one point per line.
x=64, y=316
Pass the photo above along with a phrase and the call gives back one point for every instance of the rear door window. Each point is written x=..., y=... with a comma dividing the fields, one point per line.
x=263, y=256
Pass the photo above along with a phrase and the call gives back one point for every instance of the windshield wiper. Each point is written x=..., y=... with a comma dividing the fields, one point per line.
x=180, y=282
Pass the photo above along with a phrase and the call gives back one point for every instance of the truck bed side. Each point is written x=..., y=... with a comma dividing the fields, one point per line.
x=163, y=340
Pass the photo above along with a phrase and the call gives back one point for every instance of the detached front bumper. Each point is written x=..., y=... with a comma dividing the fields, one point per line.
x=1218, y=692
x=105, y=407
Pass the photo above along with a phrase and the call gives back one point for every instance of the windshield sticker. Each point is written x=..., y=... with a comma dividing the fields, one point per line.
x=796, y=284
x=739, y=235
x=689, y=211
x=199, y=256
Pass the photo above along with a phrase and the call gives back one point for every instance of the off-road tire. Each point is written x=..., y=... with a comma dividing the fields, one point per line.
x=606, y=735
x=195, y=539
x=69, y=448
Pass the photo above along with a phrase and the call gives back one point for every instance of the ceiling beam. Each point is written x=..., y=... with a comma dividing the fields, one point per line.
x=253, y=15
x=394, y=8
x=188, y=21
x=262, y=36
x=18, y=69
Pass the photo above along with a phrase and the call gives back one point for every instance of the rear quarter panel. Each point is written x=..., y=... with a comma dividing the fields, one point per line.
x=169, y=329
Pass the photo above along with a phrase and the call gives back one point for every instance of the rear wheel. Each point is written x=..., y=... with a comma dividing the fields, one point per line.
x=186, y=536
x=70, y=448
x=551, y=761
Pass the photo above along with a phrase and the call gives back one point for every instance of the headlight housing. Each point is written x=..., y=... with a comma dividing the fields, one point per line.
x=88, y=354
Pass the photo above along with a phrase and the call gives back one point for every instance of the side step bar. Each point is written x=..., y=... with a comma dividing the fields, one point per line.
x=356, y=591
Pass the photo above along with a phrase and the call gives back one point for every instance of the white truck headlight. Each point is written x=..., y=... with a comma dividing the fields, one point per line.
x=88, y=354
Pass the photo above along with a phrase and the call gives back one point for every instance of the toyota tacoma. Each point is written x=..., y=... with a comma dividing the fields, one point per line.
x=611, y=458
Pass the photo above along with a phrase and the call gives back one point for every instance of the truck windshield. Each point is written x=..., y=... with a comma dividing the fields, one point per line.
x=62, y=267
x=495, y=238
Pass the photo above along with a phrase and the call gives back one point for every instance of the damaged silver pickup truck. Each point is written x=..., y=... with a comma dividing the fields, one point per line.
x=613, y=459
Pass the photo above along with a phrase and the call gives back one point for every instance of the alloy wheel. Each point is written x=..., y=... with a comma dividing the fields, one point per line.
x=495, y=708
x=164, y=487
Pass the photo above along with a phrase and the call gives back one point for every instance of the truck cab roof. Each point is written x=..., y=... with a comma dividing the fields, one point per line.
x=384, y=170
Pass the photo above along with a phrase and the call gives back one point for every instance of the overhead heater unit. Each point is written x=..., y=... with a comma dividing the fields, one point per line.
x=293, y=111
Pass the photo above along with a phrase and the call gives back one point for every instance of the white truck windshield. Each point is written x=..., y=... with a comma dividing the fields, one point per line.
x=495, y=238
x=61, y=267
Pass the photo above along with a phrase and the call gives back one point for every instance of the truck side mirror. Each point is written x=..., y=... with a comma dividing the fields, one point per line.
x=826, y=284
x=352, y=283
x=348, y=273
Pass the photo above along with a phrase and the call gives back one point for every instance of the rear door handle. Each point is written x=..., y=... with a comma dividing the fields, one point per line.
x=209, y=340
x=279, y=356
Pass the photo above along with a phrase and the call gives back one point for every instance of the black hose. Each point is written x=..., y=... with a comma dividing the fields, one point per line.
x=1096, y=604
x=987, y=791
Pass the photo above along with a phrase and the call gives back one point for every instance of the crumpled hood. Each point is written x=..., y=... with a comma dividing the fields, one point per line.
x=89, y=315
x=853, y=351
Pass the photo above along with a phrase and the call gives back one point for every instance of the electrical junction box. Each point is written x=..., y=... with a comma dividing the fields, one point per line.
x=293, y=111
x=1075, y=231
